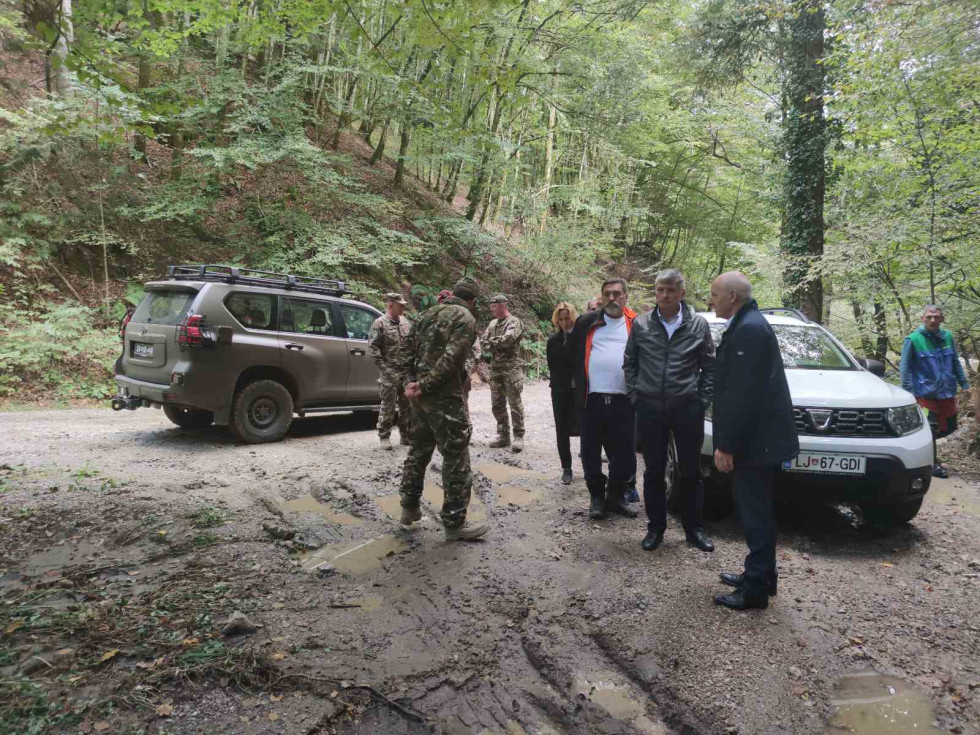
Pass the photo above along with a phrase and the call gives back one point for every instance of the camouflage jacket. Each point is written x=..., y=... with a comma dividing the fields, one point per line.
x=387, y=341
x=503, y=341
x=437, y=347
x=474, y=358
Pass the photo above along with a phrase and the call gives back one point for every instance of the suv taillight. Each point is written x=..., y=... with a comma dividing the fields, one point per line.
x=193, y=332
x=125, y=322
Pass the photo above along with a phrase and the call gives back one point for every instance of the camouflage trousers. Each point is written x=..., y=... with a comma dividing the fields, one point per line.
x=439, y=421
x=393, y=399
x=506, y=387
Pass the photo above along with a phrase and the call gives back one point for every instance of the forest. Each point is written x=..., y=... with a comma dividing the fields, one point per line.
x=828, y=148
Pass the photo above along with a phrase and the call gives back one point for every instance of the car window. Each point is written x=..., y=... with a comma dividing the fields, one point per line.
x=809, y=348
x=305, y=316
x=253, y=310
x=357, y=321
x=164, y=307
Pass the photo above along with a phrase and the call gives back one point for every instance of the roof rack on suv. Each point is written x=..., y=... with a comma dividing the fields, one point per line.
x=253, y=277
x=774, y=310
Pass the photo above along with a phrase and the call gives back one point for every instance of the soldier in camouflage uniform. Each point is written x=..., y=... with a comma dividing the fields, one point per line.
x=474, y=364
x=386, y=343
x=502, y=340
x=433, y=363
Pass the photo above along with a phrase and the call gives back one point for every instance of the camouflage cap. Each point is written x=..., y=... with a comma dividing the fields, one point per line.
x=499, y=298
x=395, y=298
x=468, y=285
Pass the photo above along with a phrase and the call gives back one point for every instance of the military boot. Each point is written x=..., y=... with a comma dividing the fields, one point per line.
x=410, y=515
x=467, y=532
x=386, y=444
x=502, y=440
x=616, y=503
x=597, y=506
x=517, y=445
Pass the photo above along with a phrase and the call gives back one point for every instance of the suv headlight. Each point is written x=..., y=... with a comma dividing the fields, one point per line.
x=905, y=419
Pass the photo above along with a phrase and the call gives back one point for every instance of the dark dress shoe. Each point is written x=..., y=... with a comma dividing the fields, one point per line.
x=700, y=541
x=939, y=471
x=566, y=476
x=652, y=541
x=597, y=508
x=736, y=580
x=738, y=600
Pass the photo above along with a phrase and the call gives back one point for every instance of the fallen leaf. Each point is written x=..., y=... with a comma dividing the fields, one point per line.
x=243, y=718
x=132, y=574
x=274, y=698
x=856, y=641
x=191, y=641
x=85, y=728
x=146, y=664
x=334, y=693
x=887, y=564
x=64, y=652
x=165, y=710
x=161, y=532
x=101, y=725
x=73, y=679
x=273, y=717
x=14, y=626
x=279, y=655
x=108, y=654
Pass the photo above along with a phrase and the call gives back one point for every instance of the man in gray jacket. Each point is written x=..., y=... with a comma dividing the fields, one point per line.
x=669, y=366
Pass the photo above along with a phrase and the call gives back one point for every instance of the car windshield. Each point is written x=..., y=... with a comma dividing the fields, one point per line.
x=803, y=348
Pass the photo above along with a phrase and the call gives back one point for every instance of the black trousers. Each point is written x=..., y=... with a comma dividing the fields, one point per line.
x=608, y=422
x=656, y=421
x=754, y=502
x=563, y=405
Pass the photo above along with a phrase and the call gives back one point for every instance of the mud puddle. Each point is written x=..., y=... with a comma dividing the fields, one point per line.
x=392, y=504
x=869, y=703
x=354, y=558
x=952, y=493
x=309, y=504
x=513, y=485
x=619, y=701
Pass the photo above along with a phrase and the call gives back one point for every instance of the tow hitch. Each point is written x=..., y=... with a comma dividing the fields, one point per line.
x=130, y=403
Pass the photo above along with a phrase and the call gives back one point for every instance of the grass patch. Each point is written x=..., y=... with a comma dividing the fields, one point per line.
x=206, y=517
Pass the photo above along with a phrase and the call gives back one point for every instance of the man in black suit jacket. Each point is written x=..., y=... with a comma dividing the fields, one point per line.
x=753, y=432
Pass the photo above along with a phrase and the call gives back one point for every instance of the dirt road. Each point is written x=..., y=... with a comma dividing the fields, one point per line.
x=128, y=545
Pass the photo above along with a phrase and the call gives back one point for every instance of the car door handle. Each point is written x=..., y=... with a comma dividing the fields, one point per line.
x=293, y=346
x=357, y=351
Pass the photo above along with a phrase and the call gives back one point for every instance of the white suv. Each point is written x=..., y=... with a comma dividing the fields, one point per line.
x=862, y=440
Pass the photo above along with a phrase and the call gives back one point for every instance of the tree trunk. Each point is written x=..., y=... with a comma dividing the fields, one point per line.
x=406, y=139
x=143, y=81
x=345, y=114
x=63, y=84
x=379, y=151
x=805, y=140
x=549, y=162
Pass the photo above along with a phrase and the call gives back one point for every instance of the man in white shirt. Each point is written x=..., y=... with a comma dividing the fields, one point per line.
x=606, y=418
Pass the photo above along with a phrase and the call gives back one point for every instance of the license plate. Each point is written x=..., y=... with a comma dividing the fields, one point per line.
x=831, y=464
x=142, y=349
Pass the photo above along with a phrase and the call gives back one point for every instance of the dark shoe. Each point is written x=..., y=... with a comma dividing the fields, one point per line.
x=631, y=495
x=652, y=540
x=939, y=471
x=700, y=541
x=735, y=580
x=566, y=477
x=597, y=508
x=738, y=600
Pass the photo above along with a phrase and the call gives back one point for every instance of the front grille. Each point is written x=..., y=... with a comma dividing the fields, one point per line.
x=843, y=422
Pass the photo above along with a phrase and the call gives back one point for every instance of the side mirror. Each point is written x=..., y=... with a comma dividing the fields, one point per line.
x=873, y=366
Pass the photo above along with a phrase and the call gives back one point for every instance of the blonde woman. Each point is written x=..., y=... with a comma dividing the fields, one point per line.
x=561, y=368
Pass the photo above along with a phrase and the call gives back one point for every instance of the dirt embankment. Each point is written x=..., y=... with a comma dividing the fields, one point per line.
x=129, y=546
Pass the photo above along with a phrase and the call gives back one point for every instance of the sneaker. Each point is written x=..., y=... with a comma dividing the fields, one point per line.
x=939, y=471
x=500, y=441
x=467, y=532
x=632, y=496
x=566, y=476
x=386, y=444
x=517, y=445
x=410, y=515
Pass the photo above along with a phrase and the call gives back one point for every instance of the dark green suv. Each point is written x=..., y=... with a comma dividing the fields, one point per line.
x=246, y=349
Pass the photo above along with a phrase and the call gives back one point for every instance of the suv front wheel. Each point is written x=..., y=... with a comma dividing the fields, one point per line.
x=261, y=412
x=189, y=418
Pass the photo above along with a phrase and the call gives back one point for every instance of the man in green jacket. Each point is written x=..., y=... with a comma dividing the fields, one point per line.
x=434, y=361
x=931, y=371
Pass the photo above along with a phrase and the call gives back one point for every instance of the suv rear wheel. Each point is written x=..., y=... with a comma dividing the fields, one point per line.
x=261, y=412
x=189, y=418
